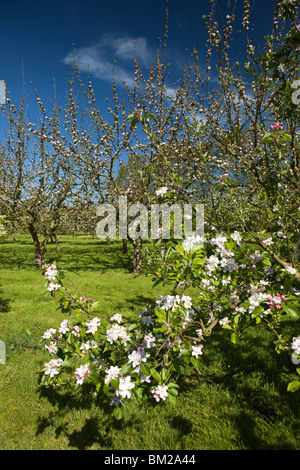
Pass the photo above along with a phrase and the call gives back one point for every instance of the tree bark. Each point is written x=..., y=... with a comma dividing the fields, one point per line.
x=137, y=260
x=125, y=247
x=40, y=249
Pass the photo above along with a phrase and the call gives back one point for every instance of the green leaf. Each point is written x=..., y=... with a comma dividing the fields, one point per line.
x=173, y=385
x=125, y=369
x=173, y=391
x=155, y=375
x=138, y=393
x=292, y=311
x=195, y=362
x=176, y=321
x=66, y=363
x=227, y=327
x=114, y=383
x=146, y=370
x=171, y=399
x=94, y=379
x=257, y=311
x=234, y=338
x=119, y=412
x=293, y=386
x=267, y=262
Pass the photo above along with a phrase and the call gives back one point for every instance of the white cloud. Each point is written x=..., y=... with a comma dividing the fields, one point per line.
x=99, y=59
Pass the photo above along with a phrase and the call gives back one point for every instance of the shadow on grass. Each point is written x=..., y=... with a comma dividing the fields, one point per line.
x=97, y=428
x=256, y=378
x=89, y=255
x=4, y=304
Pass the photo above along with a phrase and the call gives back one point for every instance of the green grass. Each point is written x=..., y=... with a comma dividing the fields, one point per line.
x=238, y=402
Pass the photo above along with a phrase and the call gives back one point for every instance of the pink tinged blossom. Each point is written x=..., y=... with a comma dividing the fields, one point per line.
x=52, y=348
x=52, y=367
x=93, y=325
x=117, y=332
x=53, y=287
x=51, y=272
x=76, y=330
x=63, y=327
x=82, y=373
x=117, y=318
x=49, y=333
x=160, y=392
x=276, y=126
x=149, y=341
x=197, y=350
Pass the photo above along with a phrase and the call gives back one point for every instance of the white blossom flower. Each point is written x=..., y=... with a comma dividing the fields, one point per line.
x=255, y=257
x=82, y=373
x=290, y=270
x=228, y=265
x=161, y=191
x=149, y=341
x=187, y=301
x=192, y=242
x=93, y=325
x=199, y=332
x=147, y=320
x=112, y=373
x=85, y=347
x=117, y=318
x=117, y=332
x=125, y=385
x=63, y=327
x=197, y=351
x=53, y=367
x=205, y=283
x=237, y=237
x=226, y=281
x=76, y=330
x=212, y=263
x=295, y=345
x=138, y=356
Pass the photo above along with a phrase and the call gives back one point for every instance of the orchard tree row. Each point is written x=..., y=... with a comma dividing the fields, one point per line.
x=233, y=145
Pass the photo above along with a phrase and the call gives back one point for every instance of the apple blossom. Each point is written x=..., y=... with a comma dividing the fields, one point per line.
x=160, y=392
x=81, y=373
x=52, y=367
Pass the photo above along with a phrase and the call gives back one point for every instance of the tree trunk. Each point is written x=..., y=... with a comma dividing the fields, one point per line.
x=57, y=243
x=40, y=249
x=137, y=260
x=125, y=247
x=39, y=256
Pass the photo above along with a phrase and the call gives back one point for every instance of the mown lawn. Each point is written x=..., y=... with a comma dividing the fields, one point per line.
x=239, y=401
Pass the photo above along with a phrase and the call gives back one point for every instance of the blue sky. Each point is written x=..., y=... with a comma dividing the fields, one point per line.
x=39, y=38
